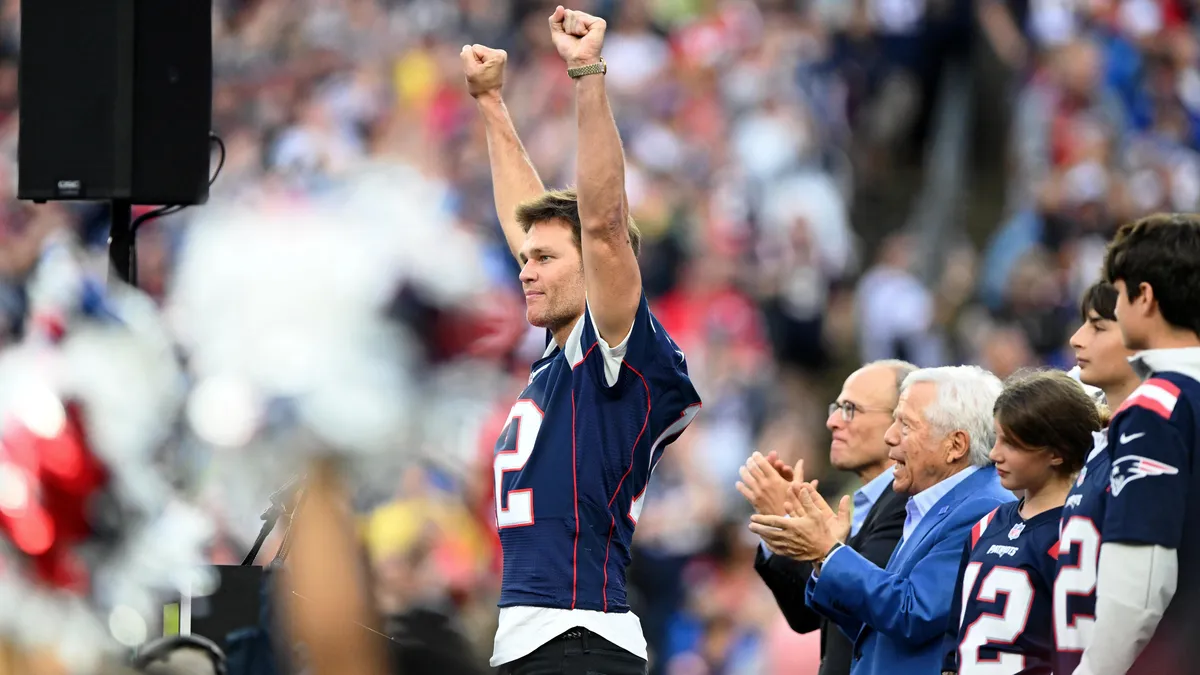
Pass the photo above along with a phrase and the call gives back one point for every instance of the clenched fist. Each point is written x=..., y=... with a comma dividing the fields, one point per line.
x=484, y=68
x=578, y=36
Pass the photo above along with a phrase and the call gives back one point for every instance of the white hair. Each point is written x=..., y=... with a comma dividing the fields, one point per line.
x=966, y=398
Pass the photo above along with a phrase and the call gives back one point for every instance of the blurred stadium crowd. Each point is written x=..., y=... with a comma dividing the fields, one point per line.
x=819, y=183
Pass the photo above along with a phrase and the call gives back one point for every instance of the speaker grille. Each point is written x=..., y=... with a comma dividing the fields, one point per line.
x=69, y=100
x=172, y=101
x=116, y=100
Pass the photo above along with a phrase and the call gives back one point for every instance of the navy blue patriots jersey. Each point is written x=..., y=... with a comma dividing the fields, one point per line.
x=1155, y=491
x=1000, y=623
x=575, y=457
x=1079, y=558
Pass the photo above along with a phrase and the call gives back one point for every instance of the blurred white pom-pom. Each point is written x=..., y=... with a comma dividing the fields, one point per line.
x=291, y=305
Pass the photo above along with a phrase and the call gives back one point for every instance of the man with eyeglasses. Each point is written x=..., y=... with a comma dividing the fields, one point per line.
x=858, y=420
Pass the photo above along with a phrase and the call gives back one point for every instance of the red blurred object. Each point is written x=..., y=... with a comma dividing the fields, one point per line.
x=49, y=486
x=490, y=330
x=51, y=324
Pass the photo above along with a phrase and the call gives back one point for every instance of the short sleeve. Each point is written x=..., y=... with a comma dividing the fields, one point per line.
x=1149, y=480
x=647, y=352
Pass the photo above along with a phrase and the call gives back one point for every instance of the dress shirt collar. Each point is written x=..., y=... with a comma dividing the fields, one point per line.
x=919, y=504
x=866, y=496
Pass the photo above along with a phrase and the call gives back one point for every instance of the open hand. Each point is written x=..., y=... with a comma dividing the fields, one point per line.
x=764, y=485
x=484, y=68
x=803, y=499
x=578, y=36
x=809, y=533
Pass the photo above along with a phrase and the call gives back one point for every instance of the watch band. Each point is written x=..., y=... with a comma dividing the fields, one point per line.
x=833, y=548
x=591, y=69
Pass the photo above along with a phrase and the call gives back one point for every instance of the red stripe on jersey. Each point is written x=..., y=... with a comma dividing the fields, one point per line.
x=1053, y=552
x=1156, y=395
x=584, y=357
x=1165, y=385
x=1146, y=403
x=607, y=545
x=977, y=531
x=632, y=453
x=575, y=484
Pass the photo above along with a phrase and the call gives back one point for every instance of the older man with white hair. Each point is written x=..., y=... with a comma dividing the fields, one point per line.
x=940, y=437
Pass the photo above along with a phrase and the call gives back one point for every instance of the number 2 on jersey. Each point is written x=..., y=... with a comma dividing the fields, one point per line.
x=519, y=512
x=1073, y=633
x=999, y=629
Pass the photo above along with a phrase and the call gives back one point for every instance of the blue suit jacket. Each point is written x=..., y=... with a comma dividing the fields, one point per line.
x=897, y=617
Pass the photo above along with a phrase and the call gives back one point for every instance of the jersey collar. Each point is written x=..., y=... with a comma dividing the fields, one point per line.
x=1183, y=360
x=1099, y=443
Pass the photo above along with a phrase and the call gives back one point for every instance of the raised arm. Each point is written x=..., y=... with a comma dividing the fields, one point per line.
x=611, y=275
x=514, y=179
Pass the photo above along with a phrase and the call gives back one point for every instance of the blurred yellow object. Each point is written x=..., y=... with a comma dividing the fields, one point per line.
x=415, y=77
x=171, y=619
x=394, y=527
x=397, y=526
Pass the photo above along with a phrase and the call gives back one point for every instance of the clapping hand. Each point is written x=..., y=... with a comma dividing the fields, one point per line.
x=766, y=480
x=803, y=499
x=810, y=532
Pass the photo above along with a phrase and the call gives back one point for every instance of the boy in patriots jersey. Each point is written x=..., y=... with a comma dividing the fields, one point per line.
x=610, y=392
x=1001, y=622
x=1151, y=527
x=1103, y=363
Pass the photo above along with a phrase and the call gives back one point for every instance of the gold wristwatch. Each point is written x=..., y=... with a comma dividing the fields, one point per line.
x=591, y=69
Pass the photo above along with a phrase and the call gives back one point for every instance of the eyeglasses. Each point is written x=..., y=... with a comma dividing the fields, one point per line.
x=849, y=408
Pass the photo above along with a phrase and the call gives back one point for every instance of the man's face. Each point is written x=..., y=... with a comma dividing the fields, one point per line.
x=858, y=443
x=920, y=452
x=1133, y=316
x=1101, y=353
x=551, y=275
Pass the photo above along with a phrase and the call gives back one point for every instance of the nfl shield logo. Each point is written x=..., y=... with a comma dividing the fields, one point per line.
x=1016, y=530
x=1082, y=475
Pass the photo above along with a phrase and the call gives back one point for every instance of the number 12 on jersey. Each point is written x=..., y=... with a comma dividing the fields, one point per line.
x=515, y=508
x=528, y=420
x=999, y=629
x=1073, y=632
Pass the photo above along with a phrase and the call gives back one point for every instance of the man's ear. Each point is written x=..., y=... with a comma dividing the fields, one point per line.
x=958, y=445
x=1145, y=298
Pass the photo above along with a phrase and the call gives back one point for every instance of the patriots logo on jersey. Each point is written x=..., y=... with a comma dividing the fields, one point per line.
x=1132, y=467
x=1016, y=530
x=1082, y=475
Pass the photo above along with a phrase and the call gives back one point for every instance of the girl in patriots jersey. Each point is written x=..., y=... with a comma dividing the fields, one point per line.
x=1103, y=363
x=1002, y=619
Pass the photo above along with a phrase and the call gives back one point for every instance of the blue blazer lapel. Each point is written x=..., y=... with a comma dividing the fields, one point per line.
x=938, y=513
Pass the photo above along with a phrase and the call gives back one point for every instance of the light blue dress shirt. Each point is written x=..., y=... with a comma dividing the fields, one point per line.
x=919, y=504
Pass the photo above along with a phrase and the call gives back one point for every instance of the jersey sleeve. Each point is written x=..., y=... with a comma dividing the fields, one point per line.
x=1149, y=479
x=646, y=353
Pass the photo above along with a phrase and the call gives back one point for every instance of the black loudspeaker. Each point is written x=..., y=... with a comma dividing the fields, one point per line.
x=116, y=100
